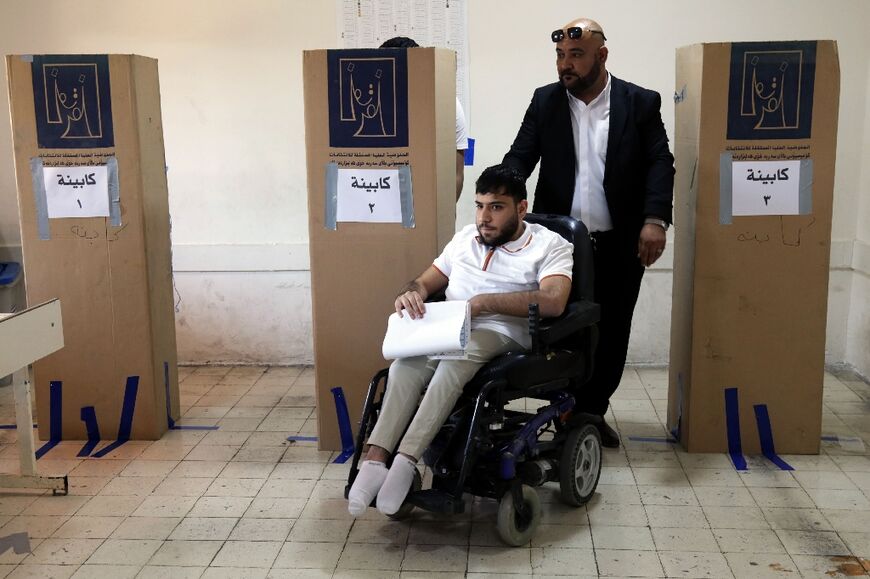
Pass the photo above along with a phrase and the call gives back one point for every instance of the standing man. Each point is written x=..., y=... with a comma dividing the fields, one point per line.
x=461, y=128
x=605, y=160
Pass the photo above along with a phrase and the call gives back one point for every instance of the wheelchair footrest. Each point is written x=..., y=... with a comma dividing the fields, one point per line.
x=437, y=501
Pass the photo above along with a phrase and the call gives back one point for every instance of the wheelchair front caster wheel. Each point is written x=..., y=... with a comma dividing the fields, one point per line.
x=406, y=508
x=514, y=528
x=580, y=466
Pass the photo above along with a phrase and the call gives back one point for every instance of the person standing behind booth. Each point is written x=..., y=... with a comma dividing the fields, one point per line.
x=461, y=129
x=605, y=160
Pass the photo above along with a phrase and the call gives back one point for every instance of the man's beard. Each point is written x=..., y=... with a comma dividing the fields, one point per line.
x=582, y=83
x=505, y=235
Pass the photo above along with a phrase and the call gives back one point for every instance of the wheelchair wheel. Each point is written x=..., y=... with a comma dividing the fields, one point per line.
x=514, y=529
x=580, y=466
x=406, y=508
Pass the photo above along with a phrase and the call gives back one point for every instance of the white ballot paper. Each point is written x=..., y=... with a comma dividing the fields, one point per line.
x=441, y=333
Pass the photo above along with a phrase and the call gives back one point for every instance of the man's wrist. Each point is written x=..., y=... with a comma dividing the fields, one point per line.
x=656, y=221
x=412, y=286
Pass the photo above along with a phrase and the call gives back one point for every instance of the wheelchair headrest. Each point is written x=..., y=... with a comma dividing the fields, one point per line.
x=583, y=283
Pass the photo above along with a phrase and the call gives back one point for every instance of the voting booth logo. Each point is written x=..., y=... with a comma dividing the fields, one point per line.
x=771, y=90
x=72, y=101
x=368, y=98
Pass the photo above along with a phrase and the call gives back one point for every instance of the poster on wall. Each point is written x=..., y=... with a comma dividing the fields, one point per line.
x=72, y=102
x=439, y=23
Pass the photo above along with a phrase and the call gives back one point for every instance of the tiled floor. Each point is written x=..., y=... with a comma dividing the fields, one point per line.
x=242, y=502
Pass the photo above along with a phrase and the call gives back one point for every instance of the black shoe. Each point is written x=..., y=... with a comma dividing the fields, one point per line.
x=609, y=437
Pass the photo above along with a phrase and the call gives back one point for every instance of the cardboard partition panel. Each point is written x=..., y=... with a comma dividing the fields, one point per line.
x=756, y=135
x=94, y=215
x=381, y=148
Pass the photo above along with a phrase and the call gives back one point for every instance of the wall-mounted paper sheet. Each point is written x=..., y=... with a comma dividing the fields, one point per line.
x=442, y=332
x=76, y=191
x=430, y=22
x=369, y=195
x=765, y=188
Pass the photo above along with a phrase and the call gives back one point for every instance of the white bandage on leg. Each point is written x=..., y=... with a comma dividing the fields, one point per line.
x=398, y=483
x=365, y=487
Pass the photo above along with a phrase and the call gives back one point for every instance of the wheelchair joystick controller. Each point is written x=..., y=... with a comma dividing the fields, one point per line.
x=534, y=322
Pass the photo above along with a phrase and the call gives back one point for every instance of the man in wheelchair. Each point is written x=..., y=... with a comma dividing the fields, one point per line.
x=511, y=272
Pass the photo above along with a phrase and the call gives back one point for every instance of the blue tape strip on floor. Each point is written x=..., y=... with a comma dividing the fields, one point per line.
x=11, y=426
x=344, y=428
x=126, y=425
x=169, y=419
x=89, y=417
x=677, y=431
x=732, y=423
x=830, y=438
x=663, y=439
x=765, y=436
x=303, y=438
x=55, y=418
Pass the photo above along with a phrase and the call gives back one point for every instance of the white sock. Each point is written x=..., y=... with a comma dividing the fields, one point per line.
x=365, y=486
x=398, y=483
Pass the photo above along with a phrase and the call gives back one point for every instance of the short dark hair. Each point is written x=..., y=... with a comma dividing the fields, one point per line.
x=400, y=42
x=502, y=179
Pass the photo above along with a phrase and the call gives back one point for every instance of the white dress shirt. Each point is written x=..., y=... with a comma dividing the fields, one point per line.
x=591, y=124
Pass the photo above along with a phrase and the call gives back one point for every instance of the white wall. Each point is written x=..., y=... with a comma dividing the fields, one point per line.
x=231, y=84
x=858, y=329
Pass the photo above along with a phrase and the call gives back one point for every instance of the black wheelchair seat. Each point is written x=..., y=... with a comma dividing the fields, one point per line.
x=524, y=370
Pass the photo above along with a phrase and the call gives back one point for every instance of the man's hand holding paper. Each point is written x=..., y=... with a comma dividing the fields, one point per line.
x=444, y=329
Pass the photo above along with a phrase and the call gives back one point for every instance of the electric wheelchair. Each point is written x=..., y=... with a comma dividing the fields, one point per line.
x=488, y=449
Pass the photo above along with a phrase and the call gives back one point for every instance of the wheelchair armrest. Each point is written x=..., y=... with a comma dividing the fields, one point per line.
x=577, y=315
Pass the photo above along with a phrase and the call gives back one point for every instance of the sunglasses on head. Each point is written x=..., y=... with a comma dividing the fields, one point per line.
x=574, y=33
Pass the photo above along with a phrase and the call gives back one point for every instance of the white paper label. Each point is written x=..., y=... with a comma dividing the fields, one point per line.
x=765, y=187
x=76, y=191
x=369, y=195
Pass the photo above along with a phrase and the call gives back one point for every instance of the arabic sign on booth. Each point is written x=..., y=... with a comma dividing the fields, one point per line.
x=369, y=195
x=765, y=187
x=76, y=191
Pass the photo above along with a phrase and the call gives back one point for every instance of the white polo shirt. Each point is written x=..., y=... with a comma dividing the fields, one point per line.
x=461, y=128
x=520, y=265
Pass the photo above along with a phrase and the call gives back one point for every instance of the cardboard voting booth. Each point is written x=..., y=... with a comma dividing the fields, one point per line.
x=756, y=135
x=381, y=148
x=94, y=215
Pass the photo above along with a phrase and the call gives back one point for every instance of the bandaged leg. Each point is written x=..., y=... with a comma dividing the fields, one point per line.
x=397, y=485
x=365, y=487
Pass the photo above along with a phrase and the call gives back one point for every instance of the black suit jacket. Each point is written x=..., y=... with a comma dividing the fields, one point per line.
x=638, y=170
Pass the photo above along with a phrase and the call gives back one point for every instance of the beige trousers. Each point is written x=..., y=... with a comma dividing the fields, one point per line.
x=445, y=378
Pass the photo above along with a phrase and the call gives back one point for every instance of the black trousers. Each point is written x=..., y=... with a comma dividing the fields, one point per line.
x=618, y=273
